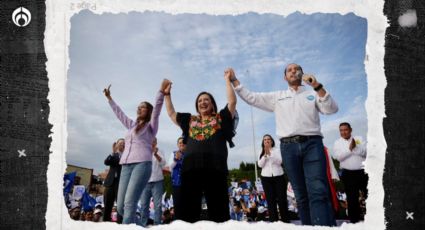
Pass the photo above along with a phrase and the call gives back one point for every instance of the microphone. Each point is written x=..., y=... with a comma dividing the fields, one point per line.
x=299, y=74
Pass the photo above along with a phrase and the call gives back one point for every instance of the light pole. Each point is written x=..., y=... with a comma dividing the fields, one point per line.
x=253, y=144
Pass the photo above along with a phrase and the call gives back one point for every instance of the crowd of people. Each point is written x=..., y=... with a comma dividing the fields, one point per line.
x=199, y=165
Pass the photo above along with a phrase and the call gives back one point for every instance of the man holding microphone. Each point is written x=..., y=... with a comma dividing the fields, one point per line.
x=298, y=127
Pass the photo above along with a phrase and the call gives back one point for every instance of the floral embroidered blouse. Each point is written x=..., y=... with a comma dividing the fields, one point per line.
x=205, y=140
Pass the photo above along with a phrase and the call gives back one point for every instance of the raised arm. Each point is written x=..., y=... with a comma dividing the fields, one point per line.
x=169, y=104
x=264, y=101
x=229, y=75
x=154, y=123
x=325, y=103
x=126, y=121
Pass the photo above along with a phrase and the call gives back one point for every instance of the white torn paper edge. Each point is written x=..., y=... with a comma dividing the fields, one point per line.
x=58, y=14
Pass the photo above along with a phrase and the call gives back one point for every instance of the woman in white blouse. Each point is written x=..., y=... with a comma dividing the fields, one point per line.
x=273, y=180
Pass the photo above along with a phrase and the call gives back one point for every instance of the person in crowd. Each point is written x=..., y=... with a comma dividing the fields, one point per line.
x=74, y=212
x=176, y=166
x=298, y=127
x=172, y=213
x=83, y=216
x=351, y=152
x=251, y=211
x=166, y=217
x=97, y=215
x=204, y=169
x=136, y=160
x=155, y=187
x=273, y=180
x=112, y=179
x=114, y=214
x=237, y=212
x=88, y=215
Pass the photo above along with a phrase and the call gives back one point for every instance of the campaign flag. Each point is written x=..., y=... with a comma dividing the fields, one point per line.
x=248, y=184
x=259, y=186
x=78, y=191
x=99, y=199
x=89, y=203
x=234, y=184
x=68, y=182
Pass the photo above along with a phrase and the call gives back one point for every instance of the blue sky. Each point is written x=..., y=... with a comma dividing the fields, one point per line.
x=135, y=51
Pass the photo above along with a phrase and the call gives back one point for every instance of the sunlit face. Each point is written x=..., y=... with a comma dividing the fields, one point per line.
x=120, y=145
x=345, y=131
x=205, y=106
x=181, y=145
x=267, y=141
x=291, y=74
x=142, y=110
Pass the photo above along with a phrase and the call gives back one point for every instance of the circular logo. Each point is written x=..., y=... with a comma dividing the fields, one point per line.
x=310, y=97
x=21, y=17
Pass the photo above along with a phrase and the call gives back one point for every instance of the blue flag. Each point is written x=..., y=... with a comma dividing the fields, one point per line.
x=68, y=182
x=88, y=202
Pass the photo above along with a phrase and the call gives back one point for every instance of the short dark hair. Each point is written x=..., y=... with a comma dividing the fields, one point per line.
x=301, y=69
x=345, y=124
x=212, y=101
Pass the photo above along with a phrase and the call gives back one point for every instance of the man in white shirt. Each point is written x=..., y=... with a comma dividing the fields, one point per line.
x=154, y=188
x=351, y=152
x=298, y=127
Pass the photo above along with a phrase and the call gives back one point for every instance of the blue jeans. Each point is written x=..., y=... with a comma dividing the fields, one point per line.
x=155, y=190
x=305, y=165
x=133, y=180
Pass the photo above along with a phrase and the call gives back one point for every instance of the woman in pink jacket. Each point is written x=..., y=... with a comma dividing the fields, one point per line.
x=136, y=160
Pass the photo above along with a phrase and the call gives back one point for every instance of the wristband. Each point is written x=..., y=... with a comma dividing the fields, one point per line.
x=319, y=87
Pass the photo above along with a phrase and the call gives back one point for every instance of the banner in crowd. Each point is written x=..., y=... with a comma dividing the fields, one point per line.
x=259, y=186
x=78, y=192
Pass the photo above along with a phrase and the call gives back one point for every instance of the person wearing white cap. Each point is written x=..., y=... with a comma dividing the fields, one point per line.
x=97, y=215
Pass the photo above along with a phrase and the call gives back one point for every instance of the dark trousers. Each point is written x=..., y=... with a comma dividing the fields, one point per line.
x=275, y=189
x=109, y=196
x=212, y=184
x=177, y=204
x=354, y=182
